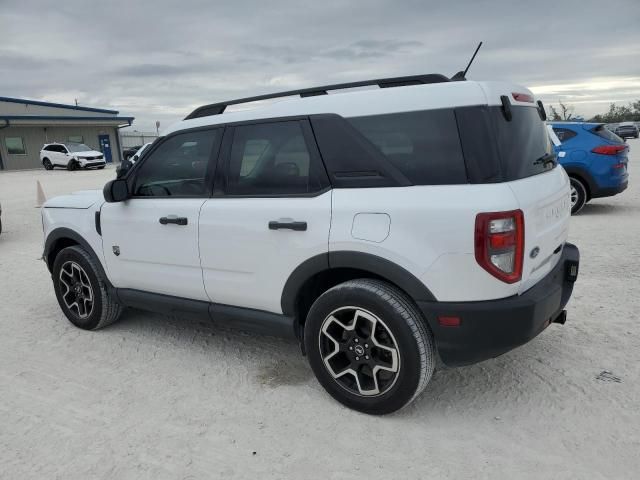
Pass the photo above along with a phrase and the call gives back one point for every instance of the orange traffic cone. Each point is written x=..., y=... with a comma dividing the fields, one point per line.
x=40, y=197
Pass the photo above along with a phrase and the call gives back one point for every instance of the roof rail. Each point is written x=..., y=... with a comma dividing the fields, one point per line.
x=218, y=108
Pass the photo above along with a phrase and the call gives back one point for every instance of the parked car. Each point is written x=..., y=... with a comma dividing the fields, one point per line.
x=627, y=130
x=71, y=156
x=129, y=152
x=595, y=159
x=380, y=228
x=138, y=154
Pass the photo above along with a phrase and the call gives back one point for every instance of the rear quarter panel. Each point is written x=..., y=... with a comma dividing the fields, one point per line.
x=431, y=233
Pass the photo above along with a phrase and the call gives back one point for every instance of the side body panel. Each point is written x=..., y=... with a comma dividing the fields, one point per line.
x=430, y=233
x=244, y=262
x=151, y=256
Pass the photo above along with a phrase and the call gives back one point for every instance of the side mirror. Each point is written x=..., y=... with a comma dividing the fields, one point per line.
x=116, y=191
x=124, y=167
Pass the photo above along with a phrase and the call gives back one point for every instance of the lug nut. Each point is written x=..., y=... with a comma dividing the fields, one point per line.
x=356, y=340
x=366, y=345
x=350, y=348
x=357, y=358
x=366, y=357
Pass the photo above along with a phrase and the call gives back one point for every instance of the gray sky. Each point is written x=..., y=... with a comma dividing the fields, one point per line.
x=157, y=60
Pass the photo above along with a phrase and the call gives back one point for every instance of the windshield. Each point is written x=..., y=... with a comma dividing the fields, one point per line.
x=78, y=147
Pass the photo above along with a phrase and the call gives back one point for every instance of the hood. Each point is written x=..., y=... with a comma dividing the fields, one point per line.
x=82, y=199
x=88, y=153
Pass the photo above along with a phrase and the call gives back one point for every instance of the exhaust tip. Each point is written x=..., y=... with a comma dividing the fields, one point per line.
x=562, y=318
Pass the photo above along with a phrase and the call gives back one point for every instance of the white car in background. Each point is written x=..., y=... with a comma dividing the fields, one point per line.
x=72, y=156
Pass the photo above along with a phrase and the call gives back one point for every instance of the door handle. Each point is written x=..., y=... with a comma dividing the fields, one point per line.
x=174, y=220
x=278, y=225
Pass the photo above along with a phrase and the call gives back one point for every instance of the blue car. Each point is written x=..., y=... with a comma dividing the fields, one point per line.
x=595, y=159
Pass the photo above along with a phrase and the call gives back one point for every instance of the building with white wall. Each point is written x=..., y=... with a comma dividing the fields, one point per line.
x=26, y=125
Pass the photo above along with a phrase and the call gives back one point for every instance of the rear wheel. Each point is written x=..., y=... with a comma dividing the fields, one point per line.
x=578, y=195
x=369, y=346
x=82, y=293
x=47, y=164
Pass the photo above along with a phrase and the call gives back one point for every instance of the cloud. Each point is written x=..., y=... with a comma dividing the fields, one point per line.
x=158, y=61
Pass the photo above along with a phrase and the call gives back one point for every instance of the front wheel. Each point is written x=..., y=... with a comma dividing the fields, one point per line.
x=72, y=165
x=578, y=195
x=369, y=346
x=81, y=291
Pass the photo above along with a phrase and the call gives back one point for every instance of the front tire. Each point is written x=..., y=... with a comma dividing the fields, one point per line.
x=81, y=291
x=578, y=195
x=72, y=165
x=369, y=346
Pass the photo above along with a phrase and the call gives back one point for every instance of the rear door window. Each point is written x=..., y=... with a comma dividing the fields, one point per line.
x=424, y=146
x=272, y=159
x=564, y=134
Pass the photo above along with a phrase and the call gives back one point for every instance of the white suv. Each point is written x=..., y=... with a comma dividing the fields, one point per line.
x=379, y=227
x=71, y=156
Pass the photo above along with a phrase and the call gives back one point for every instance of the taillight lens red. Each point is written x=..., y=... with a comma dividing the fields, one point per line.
x=609, y=149
x=499, y=244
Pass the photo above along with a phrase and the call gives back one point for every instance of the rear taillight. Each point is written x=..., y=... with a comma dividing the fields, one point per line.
x=609, y=149
x=499, y=244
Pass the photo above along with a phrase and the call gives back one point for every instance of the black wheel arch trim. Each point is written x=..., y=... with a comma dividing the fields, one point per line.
x=373, y=264
x=62, y=233
x=585, y=177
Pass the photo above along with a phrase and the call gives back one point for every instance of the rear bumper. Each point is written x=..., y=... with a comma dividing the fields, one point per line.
x=490, y=328
x=600, y=192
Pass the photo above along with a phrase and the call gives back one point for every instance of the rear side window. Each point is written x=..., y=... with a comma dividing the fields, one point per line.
x=424, y=146
x=564, y=134
x=603, y=132
x=271, y=159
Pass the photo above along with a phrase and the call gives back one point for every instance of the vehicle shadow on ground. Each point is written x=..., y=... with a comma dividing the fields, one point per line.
x=274, y=362
x=593, y=209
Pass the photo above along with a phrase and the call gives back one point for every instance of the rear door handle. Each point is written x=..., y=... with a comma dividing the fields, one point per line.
x=279, y=225
x=173, y=219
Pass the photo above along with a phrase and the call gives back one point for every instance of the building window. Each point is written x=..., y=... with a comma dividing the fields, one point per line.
x=76, y=139
x=15, y=146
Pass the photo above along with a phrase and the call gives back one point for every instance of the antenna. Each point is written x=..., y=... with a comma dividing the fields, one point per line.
x=461, y=75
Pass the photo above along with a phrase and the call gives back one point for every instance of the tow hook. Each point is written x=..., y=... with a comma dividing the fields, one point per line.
x=562, y=318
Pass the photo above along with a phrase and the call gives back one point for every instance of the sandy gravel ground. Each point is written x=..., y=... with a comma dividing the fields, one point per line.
x=164, y=398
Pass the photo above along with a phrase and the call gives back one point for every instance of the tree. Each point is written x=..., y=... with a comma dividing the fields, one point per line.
x=566, y=112
x=617, y=114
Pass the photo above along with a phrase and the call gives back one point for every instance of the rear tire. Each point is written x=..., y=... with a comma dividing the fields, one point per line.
x=46, y=163
x=81, y=291
x=578, y=195
x=369, y=346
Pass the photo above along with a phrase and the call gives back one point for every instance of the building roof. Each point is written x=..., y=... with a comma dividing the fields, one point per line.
x=57, y=105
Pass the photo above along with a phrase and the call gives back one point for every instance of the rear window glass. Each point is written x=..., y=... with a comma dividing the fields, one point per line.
x=423, y=145
x=603, y=132
x=523, y=143
x=564, y=134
